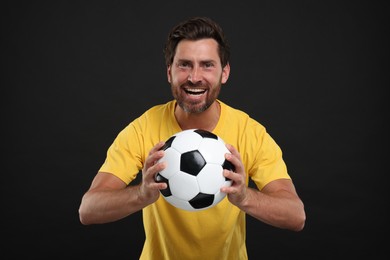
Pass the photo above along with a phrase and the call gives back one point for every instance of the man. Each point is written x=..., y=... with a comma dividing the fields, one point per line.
x=197, y=59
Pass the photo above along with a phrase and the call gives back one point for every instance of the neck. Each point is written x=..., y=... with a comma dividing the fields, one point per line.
x=206, y=120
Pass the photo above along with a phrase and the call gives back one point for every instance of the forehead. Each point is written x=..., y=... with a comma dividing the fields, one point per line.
x=199, y=49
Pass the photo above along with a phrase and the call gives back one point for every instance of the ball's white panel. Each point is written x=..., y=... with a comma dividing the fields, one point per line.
x=186, y=141
x=210, y=178
x=213, y=151
x=227, y=183
x=183, y=186
x=172, y=159
x=179, y=203
x=218, y=197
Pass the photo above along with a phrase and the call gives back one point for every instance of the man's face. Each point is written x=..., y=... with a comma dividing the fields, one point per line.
x=196, y=74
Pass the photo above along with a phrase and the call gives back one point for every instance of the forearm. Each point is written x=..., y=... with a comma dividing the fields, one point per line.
x=280, y=209
x=102, y=206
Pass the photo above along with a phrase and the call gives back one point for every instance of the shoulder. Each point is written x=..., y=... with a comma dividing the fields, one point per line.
x=240, y=117
x=157, y=109
x=157, y=112
x=155, y=121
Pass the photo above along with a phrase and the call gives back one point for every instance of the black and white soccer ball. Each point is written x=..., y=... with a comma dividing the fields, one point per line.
x=195, y=161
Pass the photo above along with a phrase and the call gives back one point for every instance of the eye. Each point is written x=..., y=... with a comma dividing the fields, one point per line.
x=183, y=64
x=208, y=65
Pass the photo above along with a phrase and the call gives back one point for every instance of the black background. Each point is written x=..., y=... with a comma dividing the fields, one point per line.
x=315, y=73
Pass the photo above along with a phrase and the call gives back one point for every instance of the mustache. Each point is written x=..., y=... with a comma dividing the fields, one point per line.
x=193, y=85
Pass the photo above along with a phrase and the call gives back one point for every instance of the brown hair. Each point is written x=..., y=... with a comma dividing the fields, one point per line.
x=197, y=28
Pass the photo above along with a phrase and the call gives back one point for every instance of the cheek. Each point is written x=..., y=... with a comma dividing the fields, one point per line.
x=178, y=78
x=213, y=78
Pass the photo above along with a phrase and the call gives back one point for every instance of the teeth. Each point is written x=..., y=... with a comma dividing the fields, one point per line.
x=195, y=90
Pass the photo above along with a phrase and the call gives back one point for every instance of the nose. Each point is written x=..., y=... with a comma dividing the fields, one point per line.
x=195, y=75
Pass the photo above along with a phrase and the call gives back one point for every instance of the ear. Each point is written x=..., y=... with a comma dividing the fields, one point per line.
x=225, y=73
x=169, y=73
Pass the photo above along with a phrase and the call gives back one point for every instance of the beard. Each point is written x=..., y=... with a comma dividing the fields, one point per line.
x=195, y=106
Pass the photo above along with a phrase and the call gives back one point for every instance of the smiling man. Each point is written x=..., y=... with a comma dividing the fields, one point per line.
x=197, y=58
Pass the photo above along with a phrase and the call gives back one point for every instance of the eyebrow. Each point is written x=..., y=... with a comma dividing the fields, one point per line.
x=202, y=61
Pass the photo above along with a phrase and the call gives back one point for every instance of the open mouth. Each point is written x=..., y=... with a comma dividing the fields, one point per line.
x=195, y=91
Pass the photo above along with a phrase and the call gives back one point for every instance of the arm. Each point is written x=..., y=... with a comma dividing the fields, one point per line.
x=110, y=199
x=277, y=204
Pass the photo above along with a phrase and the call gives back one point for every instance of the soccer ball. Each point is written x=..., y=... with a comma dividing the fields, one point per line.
x=194, y=173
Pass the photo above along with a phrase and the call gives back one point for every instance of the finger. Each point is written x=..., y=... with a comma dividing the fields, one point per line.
x=233, y=150
x=233, y=159
x=235, y=177
x=157, y=185
x=229, y=190
x=160, y=185
x=154, y=156
x=157, y=147
x=153, y=170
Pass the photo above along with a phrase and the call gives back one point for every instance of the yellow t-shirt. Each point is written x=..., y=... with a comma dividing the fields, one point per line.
x=214, y=233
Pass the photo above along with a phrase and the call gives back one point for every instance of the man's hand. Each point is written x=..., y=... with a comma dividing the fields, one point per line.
x=149, y=190
x=237, y=192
